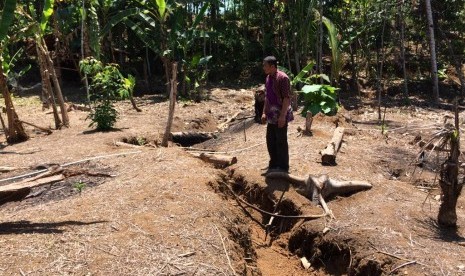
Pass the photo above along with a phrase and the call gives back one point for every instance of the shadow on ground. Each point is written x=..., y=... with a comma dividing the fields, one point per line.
x=27, y=227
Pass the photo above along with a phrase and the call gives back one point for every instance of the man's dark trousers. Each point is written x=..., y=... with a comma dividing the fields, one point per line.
x=276, y=142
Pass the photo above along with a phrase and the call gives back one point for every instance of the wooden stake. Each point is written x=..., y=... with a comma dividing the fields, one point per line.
x=173, y=93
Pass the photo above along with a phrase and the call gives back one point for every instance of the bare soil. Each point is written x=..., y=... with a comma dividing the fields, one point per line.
x=166, y=212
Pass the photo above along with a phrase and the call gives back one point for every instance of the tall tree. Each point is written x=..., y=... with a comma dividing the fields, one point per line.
x=15, y=132
x=432, y=46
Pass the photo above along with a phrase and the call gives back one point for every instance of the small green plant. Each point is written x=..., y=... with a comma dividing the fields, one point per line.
x=107, y=86
x=319, y=98
x=141, y=141
x=79, y=186
x=442, y=73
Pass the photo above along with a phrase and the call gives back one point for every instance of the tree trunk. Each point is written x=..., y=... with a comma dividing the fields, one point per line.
x=3, y=125
x=173, y=93
x=402, y=47
x=319, y=57
x=15, y=132
x=379, y=86
x=432, y=46
x=56, y=84
x=84, y=46
x=456, y=60
x=47, y=87
x=167, y=65
x=450, y=186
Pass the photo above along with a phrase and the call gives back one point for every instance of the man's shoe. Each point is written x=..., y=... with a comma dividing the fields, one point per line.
x=272, y=169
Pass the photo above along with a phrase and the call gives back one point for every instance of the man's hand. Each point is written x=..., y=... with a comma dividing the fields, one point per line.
x=281, y=121
x=263, y=118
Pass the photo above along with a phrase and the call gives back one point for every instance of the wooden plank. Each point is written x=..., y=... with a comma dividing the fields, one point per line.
x=31, y=184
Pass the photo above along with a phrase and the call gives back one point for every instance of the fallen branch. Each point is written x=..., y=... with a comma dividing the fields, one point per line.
x=402, y=265
x=123, y=144
x=69, y=164
x=48, y=131
x=223, y=126
x=325, y=206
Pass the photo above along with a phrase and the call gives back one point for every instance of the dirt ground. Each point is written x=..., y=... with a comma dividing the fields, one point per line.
x=165, y=212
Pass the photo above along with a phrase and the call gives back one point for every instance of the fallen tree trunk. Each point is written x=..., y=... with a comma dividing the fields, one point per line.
x=218, y=160
x=328, y=155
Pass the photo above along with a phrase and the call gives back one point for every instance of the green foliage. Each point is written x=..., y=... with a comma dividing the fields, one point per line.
x=79, y=186
x=8, y=14
x=107, y=86
x=319, y=98
x=46, y=13
x=336, y=64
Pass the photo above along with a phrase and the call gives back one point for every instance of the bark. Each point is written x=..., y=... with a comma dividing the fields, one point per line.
x=173, y=93
x=402, y=47
x=56, y=84
x=47, y=92
x=308, y=122
x=379, y=87
x=432, y=46
x=450, y=186
x=319, y=39
x=83, y=47
x=15, y=132
x=133, y=103
x=3, y=124
x=328, y=155
x=354, y=70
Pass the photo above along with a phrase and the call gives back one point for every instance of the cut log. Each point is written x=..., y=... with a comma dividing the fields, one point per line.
x=191, y=138
x=218, y=160
x=328, y=155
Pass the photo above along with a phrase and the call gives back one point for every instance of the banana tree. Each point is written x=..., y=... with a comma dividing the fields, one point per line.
x=336, y=53
x=15, y=131
x=37, y=29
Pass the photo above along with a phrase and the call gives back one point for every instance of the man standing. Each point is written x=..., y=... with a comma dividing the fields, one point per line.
x=277, y=113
